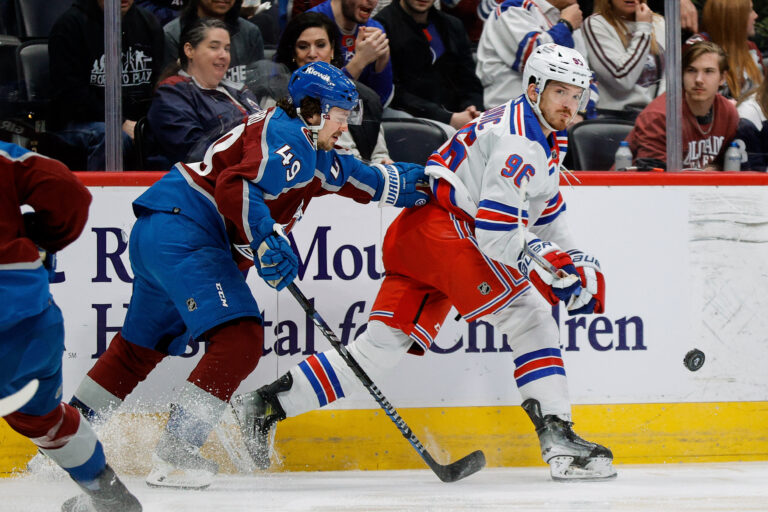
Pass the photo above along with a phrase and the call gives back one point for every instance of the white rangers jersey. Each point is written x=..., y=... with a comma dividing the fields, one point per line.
x=477, y=175
x=510, y=35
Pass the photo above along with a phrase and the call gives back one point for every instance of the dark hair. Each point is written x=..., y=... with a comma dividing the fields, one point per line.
x=194, y=34
x=286, y=48
x=703, y=47
x=309, y=107
x=189, y=15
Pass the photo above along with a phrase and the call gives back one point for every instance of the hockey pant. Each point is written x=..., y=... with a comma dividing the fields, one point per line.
x=32, y=349
x=419, y=289
x=539, y=373
x=232, y=354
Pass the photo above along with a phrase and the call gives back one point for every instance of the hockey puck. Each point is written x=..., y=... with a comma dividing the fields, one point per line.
x=694, y=359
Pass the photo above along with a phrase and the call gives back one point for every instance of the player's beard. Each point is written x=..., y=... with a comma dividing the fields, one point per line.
x=559, y=122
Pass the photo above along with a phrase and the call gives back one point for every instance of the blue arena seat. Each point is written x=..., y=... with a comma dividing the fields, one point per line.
x=592, y=144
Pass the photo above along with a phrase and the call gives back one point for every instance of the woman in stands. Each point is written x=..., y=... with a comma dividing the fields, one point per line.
x=625, y=41
x=729, y=23
x=753, y=127
x=195, y=104
x=313, y=36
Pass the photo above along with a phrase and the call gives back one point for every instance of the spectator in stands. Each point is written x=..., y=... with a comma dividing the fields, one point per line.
x=729, y=23
x=76, y=48
x=626, y=52
x=709, y=119
x=164, y=10
x=195, y=104
x=246, y=46
x=364, y=44
x=469, y=12
x=311, y=37
x=434, y=73
x=510, y=35
x=753, y=128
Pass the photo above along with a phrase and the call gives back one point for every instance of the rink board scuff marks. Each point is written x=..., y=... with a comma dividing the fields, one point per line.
x=329, y=440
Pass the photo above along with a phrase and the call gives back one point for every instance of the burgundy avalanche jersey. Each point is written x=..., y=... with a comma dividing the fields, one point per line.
x=264, y=171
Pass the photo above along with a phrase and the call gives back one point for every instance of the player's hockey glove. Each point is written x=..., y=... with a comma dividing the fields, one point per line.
x=553, y=288
x=49, y=263
x=405, y=185
x=592, y=296
x=274, y=259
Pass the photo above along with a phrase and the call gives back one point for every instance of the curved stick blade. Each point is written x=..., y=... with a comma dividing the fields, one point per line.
x=461, y=468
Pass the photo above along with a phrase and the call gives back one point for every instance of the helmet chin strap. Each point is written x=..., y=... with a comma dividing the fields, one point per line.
x=540, y=114
x=314, y=129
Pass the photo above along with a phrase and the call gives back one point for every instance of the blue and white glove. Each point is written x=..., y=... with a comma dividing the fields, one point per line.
x=49, y=263
x=563, y=286
x=275, y=260
x=592, y=296
x=405, y=185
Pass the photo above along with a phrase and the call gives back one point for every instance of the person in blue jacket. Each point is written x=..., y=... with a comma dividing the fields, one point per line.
x=200, y=227
x=196, y=104
x=364, y=45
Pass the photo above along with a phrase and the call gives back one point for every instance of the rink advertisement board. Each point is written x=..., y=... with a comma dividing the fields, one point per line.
x=684, y=267
x=683, y=255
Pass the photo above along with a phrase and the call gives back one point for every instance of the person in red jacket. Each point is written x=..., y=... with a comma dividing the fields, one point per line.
x=709, y=119
x=32, y=328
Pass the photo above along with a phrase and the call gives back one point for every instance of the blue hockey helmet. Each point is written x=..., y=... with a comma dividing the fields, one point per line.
x=329, y=85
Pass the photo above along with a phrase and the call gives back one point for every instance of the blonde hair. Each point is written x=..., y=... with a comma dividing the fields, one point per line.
x=606, y=10
x=761, y=96
x=726, y=22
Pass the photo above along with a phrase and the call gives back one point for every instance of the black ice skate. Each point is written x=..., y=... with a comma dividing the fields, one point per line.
x=569, y=456
x=178, y=464
x=105, y=494
x=257, y=415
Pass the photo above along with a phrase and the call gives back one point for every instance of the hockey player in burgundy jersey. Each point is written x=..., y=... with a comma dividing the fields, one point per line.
x=201, y=222
x=498, y=173
x=31, y=325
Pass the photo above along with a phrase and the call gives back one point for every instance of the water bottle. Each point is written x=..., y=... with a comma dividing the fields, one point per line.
x=732, y=158
x=623, y=157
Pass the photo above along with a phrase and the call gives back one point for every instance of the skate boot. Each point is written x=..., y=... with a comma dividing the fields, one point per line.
x=257, y=415
x=569, y=456
x=178, y=464
x=105, y=494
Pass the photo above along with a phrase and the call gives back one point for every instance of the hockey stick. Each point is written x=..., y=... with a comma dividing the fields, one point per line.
x=457, y=470
x=17, y=400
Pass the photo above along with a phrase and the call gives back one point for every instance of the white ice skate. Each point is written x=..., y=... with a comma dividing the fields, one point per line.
x=179, y=465
x=569, y=456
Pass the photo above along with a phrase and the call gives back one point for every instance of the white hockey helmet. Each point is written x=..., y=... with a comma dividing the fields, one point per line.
x=551, y=61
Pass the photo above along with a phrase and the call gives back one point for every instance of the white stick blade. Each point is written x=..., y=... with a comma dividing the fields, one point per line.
x=16, y=401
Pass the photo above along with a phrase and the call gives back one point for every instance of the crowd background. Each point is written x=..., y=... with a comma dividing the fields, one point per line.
x=447, y=62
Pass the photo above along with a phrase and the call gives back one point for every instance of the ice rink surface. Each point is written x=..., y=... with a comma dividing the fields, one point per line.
x=645, y=488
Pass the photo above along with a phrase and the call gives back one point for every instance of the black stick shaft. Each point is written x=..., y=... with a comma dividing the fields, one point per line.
x=358, y=370
x=446, y=473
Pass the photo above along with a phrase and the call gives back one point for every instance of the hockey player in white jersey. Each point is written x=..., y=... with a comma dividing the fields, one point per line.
x=496, y=175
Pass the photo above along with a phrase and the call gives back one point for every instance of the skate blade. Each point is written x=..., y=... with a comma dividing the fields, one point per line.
x=563, y=469
x=164, y=475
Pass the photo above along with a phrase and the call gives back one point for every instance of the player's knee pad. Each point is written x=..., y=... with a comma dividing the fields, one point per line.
x=233, y=352
x=528, y=324
x=380, y=346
